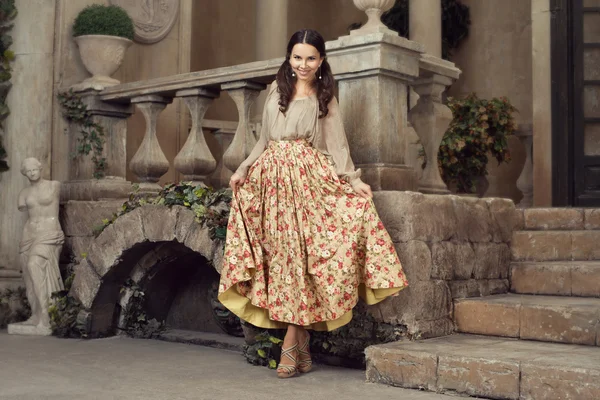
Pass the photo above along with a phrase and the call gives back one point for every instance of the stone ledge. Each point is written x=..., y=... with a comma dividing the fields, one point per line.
x=580, y=245
x=488, y=367
x=572, y=278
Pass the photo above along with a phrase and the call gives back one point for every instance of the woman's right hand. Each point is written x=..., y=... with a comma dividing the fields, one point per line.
x=236, y=181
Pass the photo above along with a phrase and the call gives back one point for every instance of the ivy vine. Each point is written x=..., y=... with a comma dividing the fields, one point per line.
x=91, y=134
x=8, y=12
x=14, y=306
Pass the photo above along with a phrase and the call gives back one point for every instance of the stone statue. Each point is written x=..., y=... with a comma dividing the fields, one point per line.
x=40, y=248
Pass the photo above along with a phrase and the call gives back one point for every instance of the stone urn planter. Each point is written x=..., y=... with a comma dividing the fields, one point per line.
x=374, y=9
x=102, y=55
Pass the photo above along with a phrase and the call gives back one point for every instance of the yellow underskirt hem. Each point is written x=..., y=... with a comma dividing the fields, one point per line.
x=243, y=308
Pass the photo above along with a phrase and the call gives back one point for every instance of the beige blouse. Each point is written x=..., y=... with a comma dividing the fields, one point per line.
x=301, y=121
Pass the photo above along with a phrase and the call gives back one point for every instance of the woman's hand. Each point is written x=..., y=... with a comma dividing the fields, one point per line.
x=236, y=181
x=363, y=190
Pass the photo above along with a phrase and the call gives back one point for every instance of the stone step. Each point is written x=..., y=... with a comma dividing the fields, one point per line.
x=561, y=219
x=489, y=367
x=582, y=245
x=545, y=318
x=559, y=278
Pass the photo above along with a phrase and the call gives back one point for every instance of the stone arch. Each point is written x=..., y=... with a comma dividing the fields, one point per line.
x=139, y=245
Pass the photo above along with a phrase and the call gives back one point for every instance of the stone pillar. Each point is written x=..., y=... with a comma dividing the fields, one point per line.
x=244, y=94
x=425, y=24
x=194, y=160
x=81, y=184
x=525, y=181
x=28, y=129
x=149, y=163
x=373, y=72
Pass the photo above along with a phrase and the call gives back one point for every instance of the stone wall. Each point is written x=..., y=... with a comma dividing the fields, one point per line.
x=450, y=247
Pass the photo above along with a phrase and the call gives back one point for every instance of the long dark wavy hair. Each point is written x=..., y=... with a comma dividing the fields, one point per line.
x=286, y=83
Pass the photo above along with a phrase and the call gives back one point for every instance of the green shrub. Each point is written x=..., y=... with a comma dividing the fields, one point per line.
x=103, y=20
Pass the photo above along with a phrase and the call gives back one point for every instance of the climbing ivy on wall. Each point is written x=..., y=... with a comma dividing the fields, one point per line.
x=8, y=12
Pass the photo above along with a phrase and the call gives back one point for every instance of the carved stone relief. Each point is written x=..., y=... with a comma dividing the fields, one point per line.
x=153, y=19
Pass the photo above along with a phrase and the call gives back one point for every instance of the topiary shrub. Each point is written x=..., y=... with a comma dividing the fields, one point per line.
x=98, y=19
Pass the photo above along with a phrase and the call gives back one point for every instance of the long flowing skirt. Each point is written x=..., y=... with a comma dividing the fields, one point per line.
x=301, y=246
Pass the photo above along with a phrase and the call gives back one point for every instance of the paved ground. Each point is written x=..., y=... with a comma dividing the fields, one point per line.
x=33, y=368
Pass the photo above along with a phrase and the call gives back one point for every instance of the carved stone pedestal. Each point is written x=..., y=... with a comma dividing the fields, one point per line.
x=21, y=328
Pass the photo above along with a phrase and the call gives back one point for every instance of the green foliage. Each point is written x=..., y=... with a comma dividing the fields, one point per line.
x=98, y=19
x=210, y=206
x=456, y=20
x=136, y=322
x=8, y=12
x=91, y=139
x=14, y=306
x=227, y=321
x=66, y=317
x=265, y=350
x=479, y=127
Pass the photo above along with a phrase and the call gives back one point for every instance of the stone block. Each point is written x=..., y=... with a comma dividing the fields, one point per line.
x=505, y=218
x=415, y=257
x=519, y=219
x=492, y=260
x=474, y=218
x=452, y=260
x=159, y=222
x=550, y=382
x=492, y=318
x=541, y=246
x=425, y=329
x=592, y=219
x=414, y=370
x=185, y=220
x=585, y=279
x=553, y=218
x=479, y=377
x=86, y=284
x=79, y=218
x=77, y=247
x=542, y=278
x=586, y=245
x=415, y=216
x=478, y=288
x=198, y=240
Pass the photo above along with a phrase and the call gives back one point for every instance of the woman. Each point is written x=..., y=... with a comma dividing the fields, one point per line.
x=304, y=238
x=41, y=243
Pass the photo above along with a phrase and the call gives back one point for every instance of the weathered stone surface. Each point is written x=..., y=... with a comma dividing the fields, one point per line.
x=479, y=377
x=452, y=260
x=198, y=239
x=159, y=222
x=185, y=220
x=77, y=247
x=585, y=279
x=487, y=317
x=425, y=329
x=428, y=300
x=505, y=218
x=477, y=288
x=550, y=382
x=415, y=370
x=474, y=218
x=553, y=218
x=415, y=216
x=541, y=278
x=79, y=218
x=86, y=283
x=415, y=257
x=541, y=246
x=586, y=245
x=492, y=260
x=519, y=219
x=592, y=219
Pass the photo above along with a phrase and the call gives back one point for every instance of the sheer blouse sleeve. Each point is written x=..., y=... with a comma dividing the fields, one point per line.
x=332, y=141
x=261, y=145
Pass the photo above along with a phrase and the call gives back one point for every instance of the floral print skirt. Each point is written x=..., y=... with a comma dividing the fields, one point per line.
x=301, y=246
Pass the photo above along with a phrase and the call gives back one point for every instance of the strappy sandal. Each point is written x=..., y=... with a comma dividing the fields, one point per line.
x=304, y=359
x=287, y=371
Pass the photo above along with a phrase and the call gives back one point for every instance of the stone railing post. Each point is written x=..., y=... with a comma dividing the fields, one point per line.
x=244, y=94
x=149, y=162
x=81, y=184
x=195, y=160
x=430, y=117
x=525, y=181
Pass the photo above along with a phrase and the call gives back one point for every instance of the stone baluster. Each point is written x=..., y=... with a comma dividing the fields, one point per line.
x=430, y=117
x=195, y=160
x=149, y=162
x=374, y=9
x=525, y=181
x=244, y=94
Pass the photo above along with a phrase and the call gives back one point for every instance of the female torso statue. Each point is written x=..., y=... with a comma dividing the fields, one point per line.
x=40, y=246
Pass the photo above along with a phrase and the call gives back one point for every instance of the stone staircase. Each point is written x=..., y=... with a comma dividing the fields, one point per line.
x=539, y=342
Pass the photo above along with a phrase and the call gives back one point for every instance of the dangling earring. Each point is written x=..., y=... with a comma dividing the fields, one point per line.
x=293, y=74
x=319, y=72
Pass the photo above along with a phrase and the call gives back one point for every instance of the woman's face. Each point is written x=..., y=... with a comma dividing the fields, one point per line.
x=305, y=61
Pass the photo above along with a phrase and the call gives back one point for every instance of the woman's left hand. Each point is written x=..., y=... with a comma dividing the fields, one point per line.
x=363, y=190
